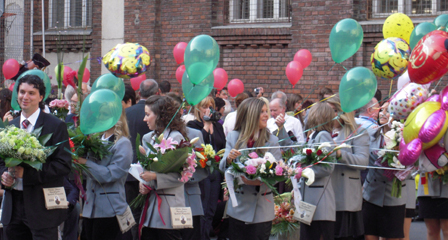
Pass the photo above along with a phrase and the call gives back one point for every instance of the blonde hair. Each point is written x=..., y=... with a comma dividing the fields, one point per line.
x=204, y=104
x=320, y=118
x=348, y=118
x=265, y=100
x=247, y=123
x=121, y=127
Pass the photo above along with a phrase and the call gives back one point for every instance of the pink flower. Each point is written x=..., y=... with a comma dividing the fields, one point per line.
x=52, y=104
x=299, y=173
x=166, y=144
x=253, y=155
x=60, y=103
x=278, y=171
x=251, y=170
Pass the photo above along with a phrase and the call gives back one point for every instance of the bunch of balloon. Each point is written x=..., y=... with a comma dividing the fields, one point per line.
x=294, y=69
x=111, y=82
x=10, y=68
x=178, y=53
x=345, y=39
x=420, y=31
x=201, y=58
x=424, y=128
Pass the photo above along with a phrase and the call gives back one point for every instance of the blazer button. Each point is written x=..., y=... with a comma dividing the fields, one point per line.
x=342, y=174
x=93, y=190
x=374, y=180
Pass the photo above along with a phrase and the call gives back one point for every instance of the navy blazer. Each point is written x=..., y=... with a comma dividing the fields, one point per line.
x=54, y=170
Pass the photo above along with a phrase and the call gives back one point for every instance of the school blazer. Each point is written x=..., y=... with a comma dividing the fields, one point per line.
x=321, y=193
x=255, y=203
x=105, y=184
x=347, y=180
x=378, y=188
x=168, y=188
x=436, y=189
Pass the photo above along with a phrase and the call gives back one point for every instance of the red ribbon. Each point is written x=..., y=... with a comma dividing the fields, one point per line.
x=145, y=209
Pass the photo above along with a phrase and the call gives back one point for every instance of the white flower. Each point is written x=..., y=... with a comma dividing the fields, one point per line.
x=397, y=163
x=271, y=172
x=155, y=159
x=344, y=145
x=324, y=144
x=381, y=153
x=305, y=149
x=269, y=157
x=391, y=134
x=263, y=168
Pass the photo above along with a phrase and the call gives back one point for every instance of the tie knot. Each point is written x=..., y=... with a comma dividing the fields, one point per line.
x=25, y=123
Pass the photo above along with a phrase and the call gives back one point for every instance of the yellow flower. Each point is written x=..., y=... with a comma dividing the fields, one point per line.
x=440, y=171
x=21, y=150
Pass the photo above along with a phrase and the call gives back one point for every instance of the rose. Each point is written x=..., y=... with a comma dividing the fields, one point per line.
x=251, y=170
x=309, y=151
x=319, y=152
x=217, y=158
x=278, y=170
x=52, y=104
x=253, y=155
x=60, y=103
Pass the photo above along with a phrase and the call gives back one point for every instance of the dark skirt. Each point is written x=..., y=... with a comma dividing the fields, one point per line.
x=318, y=230
x=436, y=208
x=410, y=213
x=386, y=221
x=239, y=230
x=348, y=224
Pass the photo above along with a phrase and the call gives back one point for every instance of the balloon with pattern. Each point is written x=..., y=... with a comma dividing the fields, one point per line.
x=398, y=25
x=127, y=60
x=390, y=58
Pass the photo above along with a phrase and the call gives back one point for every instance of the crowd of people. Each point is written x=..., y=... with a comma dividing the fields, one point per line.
x=352, y=200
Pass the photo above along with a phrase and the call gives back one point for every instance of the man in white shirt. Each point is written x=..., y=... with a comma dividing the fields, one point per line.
x=291, y=124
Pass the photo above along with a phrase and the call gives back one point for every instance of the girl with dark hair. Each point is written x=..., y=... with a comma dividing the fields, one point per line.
x=5, y=104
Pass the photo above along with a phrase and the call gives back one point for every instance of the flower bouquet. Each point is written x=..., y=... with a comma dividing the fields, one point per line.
x=87, y=145
x=441, y=173
x=18, y=146
x=389, y=158
x=309, y=156
x=59, y=108
x=208, y=157
x=284, y=224
x=165, y=156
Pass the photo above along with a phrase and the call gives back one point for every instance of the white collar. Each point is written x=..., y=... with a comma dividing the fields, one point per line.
x=32, y=119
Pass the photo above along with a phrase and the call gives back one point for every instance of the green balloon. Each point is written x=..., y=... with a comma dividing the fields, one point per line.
x=441, y=21
x=100, y=111
x=195, y=93
x=345, y=39
x=42, y=75
x=419, y=31
x=111, y=82
x=201, y=57
x=357, y=88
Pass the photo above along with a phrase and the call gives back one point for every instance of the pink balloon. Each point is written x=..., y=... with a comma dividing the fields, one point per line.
x=221, y=78
x=179, y=51
x=433, y=154
x=235, y=87
x=432, y=126
x=303, y=56
x=444, y=98
x=135, y=82
x=433, y=98
x=11, y=87
x=409, y=152
x=179, y=73
x=85, y=75
x=294, y=71
x=10, y=68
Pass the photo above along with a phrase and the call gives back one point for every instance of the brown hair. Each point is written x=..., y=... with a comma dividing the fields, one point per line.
x=166, y=110
x=240, y=98
x=324, y=91
x=320, y=117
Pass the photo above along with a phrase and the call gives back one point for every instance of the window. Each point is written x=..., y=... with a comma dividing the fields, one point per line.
x=247, y=11
x=382, y=8
x=70, y=13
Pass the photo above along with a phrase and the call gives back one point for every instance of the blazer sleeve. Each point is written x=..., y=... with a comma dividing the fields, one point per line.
x=320, y=170
x=118, y=167
x=230, y=144
x=273, y=142
x=58, y=164
x=359, y=153
x=283, y=137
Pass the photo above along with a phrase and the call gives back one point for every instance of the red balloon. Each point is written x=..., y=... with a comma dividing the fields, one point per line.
x=294, y=72
x=303, y=56
x=10, y=68
x=179, y=51
x=11, y=87
x=85, y=75
x=221, y=78
x=179, y=73
x=135, y=82
x=235, y=87
x=429, y=59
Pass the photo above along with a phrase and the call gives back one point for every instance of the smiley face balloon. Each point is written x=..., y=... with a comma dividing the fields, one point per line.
x=390, y=58
x=127, y=60
x=398, y=25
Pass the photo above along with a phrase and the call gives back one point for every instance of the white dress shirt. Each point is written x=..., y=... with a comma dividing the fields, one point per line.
x=291, y=124
x=32, y=119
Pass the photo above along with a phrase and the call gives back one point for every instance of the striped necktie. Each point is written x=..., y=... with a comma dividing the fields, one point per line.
x=25, y=123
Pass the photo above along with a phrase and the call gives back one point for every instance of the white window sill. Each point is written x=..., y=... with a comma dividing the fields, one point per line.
x=72, y=31
x=254, y=25
x=381, y=21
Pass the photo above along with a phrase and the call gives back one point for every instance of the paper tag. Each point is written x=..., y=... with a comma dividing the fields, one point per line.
x=305, y=213
x=181, y=217
x=126, y=220
x=55, y=198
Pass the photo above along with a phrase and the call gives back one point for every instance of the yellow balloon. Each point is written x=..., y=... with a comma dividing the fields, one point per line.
x=398, y=25
x=416, y=120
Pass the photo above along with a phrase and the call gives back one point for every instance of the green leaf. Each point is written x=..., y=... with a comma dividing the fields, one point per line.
x=36, y=164
x=3, y=124
x=12, y=162
x=37, y=131
x=44, y=138
x=81, y=69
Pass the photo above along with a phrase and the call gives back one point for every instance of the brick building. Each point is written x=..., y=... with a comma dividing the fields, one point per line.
x=257, y=38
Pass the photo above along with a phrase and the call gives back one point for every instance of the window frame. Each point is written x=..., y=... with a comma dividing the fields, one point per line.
x=67, y=13
x=253, y=10
x=402, y=9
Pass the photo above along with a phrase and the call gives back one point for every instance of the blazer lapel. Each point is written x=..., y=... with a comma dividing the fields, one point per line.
x=40, y=121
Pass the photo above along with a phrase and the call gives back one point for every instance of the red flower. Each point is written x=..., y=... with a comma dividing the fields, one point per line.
x=217, y=158
x=319, y=152
x=203, y=163
x=309, y=151
x=72, y=145
x=292, y=151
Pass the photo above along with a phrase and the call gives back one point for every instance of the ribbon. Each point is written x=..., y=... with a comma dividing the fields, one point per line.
x=231, y=189
x=145, y=209
x=297, y=194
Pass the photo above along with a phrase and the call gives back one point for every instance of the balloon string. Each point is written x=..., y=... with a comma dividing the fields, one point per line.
x=325, y=99
x=343, y=66
x=173, y=117
x=435, y=88
x=332, y=67
x=390, y=88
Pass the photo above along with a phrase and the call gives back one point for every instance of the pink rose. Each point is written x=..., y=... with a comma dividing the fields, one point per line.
x=253, y=155
x=299, y=173
x=60, y=103
x=251, y=170
x=52, y=104
x=278, y=171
